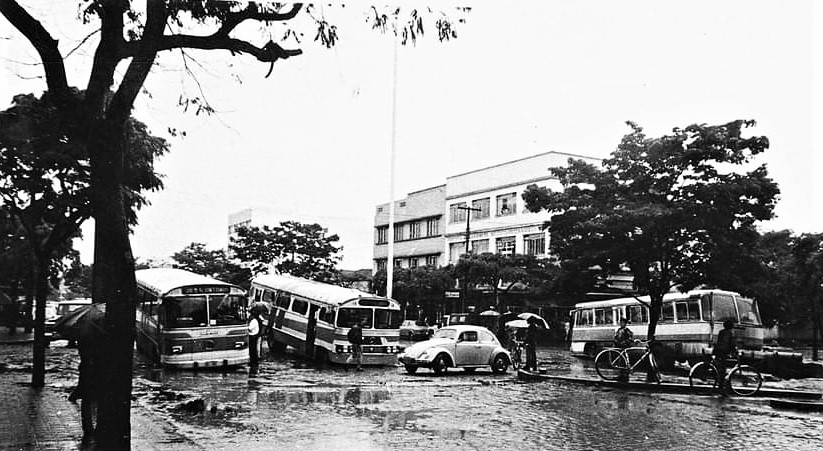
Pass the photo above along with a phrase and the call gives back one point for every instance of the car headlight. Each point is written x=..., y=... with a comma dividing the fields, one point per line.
x=424, y=355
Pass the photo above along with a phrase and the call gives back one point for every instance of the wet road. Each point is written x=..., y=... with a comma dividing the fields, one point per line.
x=289, y=404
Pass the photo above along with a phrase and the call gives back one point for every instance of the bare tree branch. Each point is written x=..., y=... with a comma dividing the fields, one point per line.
x=42, y=41
x=252, y=12
x=82, y=42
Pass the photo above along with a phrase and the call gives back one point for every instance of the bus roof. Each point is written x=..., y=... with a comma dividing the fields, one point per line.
x=318, y=291
x=646, y=299
x=164, y=280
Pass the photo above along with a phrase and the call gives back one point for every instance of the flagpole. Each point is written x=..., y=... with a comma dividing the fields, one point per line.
x=390, y=257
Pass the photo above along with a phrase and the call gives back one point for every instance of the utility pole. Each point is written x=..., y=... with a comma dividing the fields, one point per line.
x=468, y=234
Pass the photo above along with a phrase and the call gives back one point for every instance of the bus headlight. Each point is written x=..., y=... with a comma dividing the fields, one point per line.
x=176, y=349
x=239, y=344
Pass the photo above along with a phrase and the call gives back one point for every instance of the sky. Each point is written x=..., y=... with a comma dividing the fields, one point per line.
x=313, y=141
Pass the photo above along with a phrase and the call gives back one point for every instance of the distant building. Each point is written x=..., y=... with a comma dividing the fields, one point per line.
x=430, y=225
x=499, y=221
x=418, y=230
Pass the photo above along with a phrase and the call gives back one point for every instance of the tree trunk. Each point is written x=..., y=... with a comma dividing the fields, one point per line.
x=41, y=279
x=654, y=315
x=114, y=284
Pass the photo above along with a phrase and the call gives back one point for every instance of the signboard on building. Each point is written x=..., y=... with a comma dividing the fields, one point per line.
x=452, y=294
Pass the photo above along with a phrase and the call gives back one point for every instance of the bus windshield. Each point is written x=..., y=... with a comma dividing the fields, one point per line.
x=748, y=312
x=226, y=310
x=189, y=311
x=387, y=319
x=347, y=317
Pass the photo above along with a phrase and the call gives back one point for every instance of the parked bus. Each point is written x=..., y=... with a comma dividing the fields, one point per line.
x=314, y=319
x=687, y=329
x=186, y=320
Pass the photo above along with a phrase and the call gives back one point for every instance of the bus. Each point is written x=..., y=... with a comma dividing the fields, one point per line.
x=186, y=320
x=314, y=319
x=687, y=329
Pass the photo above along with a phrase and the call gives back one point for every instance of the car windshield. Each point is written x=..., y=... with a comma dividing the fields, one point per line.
x=347, y=317
x=445, y=333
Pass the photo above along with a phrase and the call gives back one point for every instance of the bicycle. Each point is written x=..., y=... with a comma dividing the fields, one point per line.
x=612, y=363
x=516, y=353
x=742, y=380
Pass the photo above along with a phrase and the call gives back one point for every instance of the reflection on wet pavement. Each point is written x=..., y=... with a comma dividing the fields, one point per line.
x=295, y=406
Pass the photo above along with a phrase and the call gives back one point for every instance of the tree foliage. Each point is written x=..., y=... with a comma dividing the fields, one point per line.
x=668, y=209
x=212, y=263
x=302, y=250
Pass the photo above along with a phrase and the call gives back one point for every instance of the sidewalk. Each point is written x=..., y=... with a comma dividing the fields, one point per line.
x=44, y=419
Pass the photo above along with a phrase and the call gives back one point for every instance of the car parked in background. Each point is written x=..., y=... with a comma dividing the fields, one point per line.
x=463, y=346
x=63, y=307
x=415, y=330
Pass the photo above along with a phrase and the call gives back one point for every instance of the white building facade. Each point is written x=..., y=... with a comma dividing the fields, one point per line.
x=498, y=220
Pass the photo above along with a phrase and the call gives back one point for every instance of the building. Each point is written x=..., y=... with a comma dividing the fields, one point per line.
x=430, y=225
x=499, y=221
x=418, y=230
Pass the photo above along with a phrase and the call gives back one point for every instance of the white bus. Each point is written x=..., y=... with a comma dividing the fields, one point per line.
x=687, y=328
x=186, y=320
x=314, y=319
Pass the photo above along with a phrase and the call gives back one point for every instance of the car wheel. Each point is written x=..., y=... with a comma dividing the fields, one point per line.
x=411, y=369
x=500, y=364
x=440, y=364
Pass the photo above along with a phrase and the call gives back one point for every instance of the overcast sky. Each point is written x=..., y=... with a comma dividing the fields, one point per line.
x=312, y=142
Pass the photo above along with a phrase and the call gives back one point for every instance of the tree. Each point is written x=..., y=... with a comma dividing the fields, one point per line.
x=807, y=253
x=668, y=209
x=413, y=286
x=45, y=184
x=135, y=35
x=302, y=250
x=196, y=258
x=77, y=278
x=493, y=270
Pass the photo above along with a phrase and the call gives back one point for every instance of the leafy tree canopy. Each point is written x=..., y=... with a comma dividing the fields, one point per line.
x=664, y=208
x=212, y=263
x=302, y=250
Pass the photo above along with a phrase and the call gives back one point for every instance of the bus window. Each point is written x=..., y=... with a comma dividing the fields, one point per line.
x=346, y=317
x=599, y=317
x=667, y=314
x=387, y=319
x=283, y=300
x=268, y=296
x=608, y=317
x=584, y=318
x=185, y=312
x=257, y=295
x=327, y=316
x=637, y=314
x=748, y=311
x=300, y=306
x=724, y=308
x=226, y=310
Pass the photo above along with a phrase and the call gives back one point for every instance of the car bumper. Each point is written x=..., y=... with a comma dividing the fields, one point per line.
x=410, y=361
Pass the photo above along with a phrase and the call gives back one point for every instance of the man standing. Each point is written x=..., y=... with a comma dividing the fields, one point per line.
x=254, y=338
x=531, y=345
x=355, y=337
x=623, y=338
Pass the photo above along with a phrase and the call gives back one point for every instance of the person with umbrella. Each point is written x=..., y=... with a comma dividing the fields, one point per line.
x=531, y=344
x=86, y=325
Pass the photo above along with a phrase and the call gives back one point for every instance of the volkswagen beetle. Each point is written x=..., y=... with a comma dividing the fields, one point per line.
x=464, y=346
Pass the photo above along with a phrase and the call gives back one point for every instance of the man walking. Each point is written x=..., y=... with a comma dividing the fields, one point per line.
x=254, y=338
x=355, y=337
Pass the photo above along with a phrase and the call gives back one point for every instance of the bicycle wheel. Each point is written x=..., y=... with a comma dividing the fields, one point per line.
x=704, y=374
x=744, y=380
x=610, y=363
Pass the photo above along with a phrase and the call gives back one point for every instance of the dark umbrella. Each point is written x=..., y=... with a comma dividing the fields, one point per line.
x=260, y=308
x=86, y=321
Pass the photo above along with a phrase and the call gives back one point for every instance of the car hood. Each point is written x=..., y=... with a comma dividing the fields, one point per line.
x=418, y=348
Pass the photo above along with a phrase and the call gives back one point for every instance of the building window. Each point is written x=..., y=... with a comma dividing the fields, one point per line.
x=381, y=264
x=457, y=212
x=414, y=230
x=403, y=204
x=456, y=250
x=506, y=204
x=398, y=262
x=413, y=262
x=535, y=244
x=380, y=209
x=432, y=226
x=382, y=234
x=431, y=260
x=398, y=232
x=480, y=208
x=505, y=245
x=480, y=246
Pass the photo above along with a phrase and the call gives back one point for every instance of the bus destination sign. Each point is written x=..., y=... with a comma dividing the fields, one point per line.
x=206, y=290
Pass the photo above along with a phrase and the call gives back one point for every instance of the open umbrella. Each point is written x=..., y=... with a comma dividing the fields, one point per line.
x=259, y=307
x=490, y=313
x=533, y=317
x=86, y=321
x=517, y=324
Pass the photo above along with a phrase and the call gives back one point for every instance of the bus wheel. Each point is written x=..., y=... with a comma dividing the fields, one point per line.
x=275, y=346
x=321, y=355
x=663, y=358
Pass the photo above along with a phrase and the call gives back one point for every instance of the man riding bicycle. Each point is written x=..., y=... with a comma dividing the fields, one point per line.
x=725, y=347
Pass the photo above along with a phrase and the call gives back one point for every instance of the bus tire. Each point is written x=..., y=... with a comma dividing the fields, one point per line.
x=663, y=358
x=321, y=355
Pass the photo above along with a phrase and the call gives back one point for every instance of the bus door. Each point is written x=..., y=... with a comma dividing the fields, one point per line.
x=311, y=330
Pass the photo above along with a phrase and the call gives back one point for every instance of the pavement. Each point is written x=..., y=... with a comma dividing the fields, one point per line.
x=44, y=419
